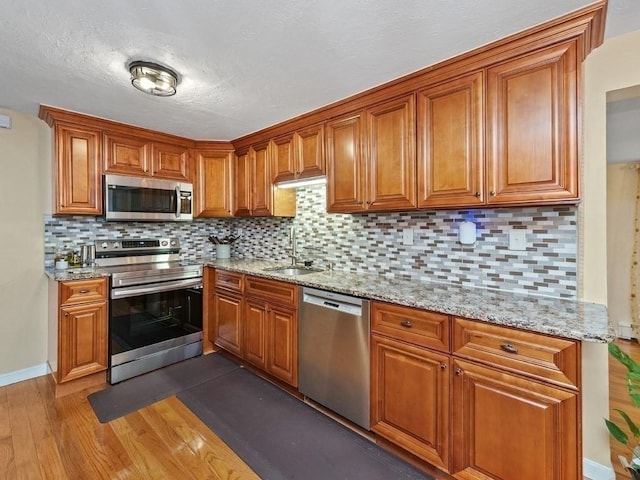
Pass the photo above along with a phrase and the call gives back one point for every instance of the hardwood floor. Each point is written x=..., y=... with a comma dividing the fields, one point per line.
x=619, y=399
x=45, y=438
x=42, y=437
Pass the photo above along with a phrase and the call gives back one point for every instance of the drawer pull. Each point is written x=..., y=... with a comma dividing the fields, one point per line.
x=84, y=290
x=507, y=347
x=406, y=324
x=458, y=371
x=443, y=366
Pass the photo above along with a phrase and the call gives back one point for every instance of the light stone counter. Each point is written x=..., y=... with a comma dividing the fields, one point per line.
x=564, y=318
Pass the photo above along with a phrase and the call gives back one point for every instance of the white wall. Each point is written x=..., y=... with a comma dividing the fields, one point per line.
x=614, y=65
x=25, y=186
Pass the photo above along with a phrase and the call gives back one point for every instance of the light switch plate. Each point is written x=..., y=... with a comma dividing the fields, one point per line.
x=407, y=236
x=5, y=121
x=517, y=239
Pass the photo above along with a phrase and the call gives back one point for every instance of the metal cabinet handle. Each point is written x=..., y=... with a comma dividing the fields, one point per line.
x=406, y=324
x=493, y=193
x=507, y=347
x=84, y=290
x=458, y=371
x=478, y=194
x=443, y=366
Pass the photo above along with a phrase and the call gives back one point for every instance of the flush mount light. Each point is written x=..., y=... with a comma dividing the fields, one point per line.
x=302, y=183
x=153, y=79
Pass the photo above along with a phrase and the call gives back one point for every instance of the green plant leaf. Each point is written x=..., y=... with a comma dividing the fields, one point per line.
x=622, y=357
x=616, y=432
x=635, y=431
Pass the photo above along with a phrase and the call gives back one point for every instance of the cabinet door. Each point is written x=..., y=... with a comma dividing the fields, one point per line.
x=282, y=358
x=227, y=331
x=410, y=398
x=450, y=143
x=82, y=337
x=532, y=110
x=391, y=157
x=214, y=183
x=126, y=155
x=255, y=330
x=283, y=166
x=310, y=151
x=171, y=162
x=345, y=168
x=242, y=189
x=506, y=427
x=261, y=181
x=78, y=181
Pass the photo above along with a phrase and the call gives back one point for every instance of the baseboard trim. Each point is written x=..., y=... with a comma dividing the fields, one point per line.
x=24, y=374
x=596, y=471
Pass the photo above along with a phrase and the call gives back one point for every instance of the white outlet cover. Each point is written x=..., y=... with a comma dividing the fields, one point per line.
x=517, y=239
x=407, y=236
x=5, y=121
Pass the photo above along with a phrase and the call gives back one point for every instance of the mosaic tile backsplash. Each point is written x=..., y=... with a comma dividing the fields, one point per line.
x=374, y=242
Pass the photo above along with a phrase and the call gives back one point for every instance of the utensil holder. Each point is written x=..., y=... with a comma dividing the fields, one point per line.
x=223, y=251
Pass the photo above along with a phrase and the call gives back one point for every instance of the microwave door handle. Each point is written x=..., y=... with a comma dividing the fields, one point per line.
x=178, y=206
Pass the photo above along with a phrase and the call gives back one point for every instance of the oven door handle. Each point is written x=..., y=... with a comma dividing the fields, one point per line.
x=178, y=202
x=155, y=288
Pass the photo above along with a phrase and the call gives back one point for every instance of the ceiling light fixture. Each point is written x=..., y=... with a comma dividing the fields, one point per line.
x=153, y=79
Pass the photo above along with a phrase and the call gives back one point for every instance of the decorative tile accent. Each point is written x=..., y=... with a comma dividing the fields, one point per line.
x=372, y=243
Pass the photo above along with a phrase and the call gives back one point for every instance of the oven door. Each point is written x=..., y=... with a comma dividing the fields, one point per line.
x=154, y=325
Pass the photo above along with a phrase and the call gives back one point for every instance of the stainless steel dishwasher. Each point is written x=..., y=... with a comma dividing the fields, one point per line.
x=333, y=352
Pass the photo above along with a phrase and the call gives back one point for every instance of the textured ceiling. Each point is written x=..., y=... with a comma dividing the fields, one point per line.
x=244, y=64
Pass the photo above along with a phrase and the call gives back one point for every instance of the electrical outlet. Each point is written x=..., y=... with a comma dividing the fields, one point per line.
x=239, y=232
x=517, y=239
x=407, y=236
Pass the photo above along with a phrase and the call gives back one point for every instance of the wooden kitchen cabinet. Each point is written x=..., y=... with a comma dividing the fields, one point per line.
x=451, y=143
x=228, y=329
x=78, y=159
x=371, y=162
x=128, y=154
x=410, y=398
x=214, y=174
x=271, y=327
x=255, y=194
x=506, y=426
x=532, y=127
x=82, y=329
x=299, y=155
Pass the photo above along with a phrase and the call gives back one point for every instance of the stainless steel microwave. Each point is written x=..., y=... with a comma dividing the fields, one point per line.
x=147, y=199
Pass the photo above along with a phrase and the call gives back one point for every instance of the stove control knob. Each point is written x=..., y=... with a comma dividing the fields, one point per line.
x=104, y=245
x=173, y=243
x=116, y=244
x=164, y=243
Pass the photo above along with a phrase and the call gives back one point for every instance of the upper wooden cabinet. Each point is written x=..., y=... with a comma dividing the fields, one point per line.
x=532, y=127
x=255, y=194
x=450, y=143
x=78, y=184
x=371, y=163
x=132, y=155
x=214, y=181
x=299, y=155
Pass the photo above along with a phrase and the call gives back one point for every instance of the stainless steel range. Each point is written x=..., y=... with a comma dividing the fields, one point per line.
x=155, y=306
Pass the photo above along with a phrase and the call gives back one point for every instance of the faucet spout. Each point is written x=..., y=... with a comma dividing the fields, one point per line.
x=294, y=246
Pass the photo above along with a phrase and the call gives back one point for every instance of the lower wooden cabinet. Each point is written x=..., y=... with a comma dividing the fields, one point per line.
x=507, y=427
x=227, y=331
x=256, y=319
x=410, y=398
x=79, y=329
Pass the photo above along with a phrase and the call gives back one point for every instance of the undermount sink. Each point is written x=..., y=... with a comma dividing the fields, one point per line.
x=293, y=270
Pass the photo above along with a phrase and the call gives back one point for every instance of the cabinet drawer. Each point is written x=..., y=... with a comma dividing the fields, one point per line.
x=272, y=290
x=82, y=291
x=229, y=280
x=428, y=329
x=550, y=359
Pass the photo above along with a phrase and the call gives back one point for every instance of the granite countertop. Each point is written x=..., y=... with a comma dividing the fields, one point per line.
x=563, y=318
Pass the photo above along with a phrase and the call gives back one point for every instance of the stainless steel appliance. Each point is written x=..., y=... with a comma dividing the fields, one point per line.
x=150, y=199
x=333, y=352
x=155, y=305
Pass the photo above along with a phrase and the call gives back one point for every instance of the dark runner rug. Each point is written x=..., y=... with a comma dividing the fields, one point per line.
x=138, y=392
x=280, y=437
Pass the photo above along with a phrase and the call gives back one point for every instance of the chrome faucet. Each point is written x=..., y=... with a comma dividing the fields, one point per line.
x=294, y=246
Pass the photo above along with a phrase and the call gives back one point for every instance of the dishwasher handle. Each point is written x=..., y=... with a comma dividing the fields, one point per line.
x=353, y=307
